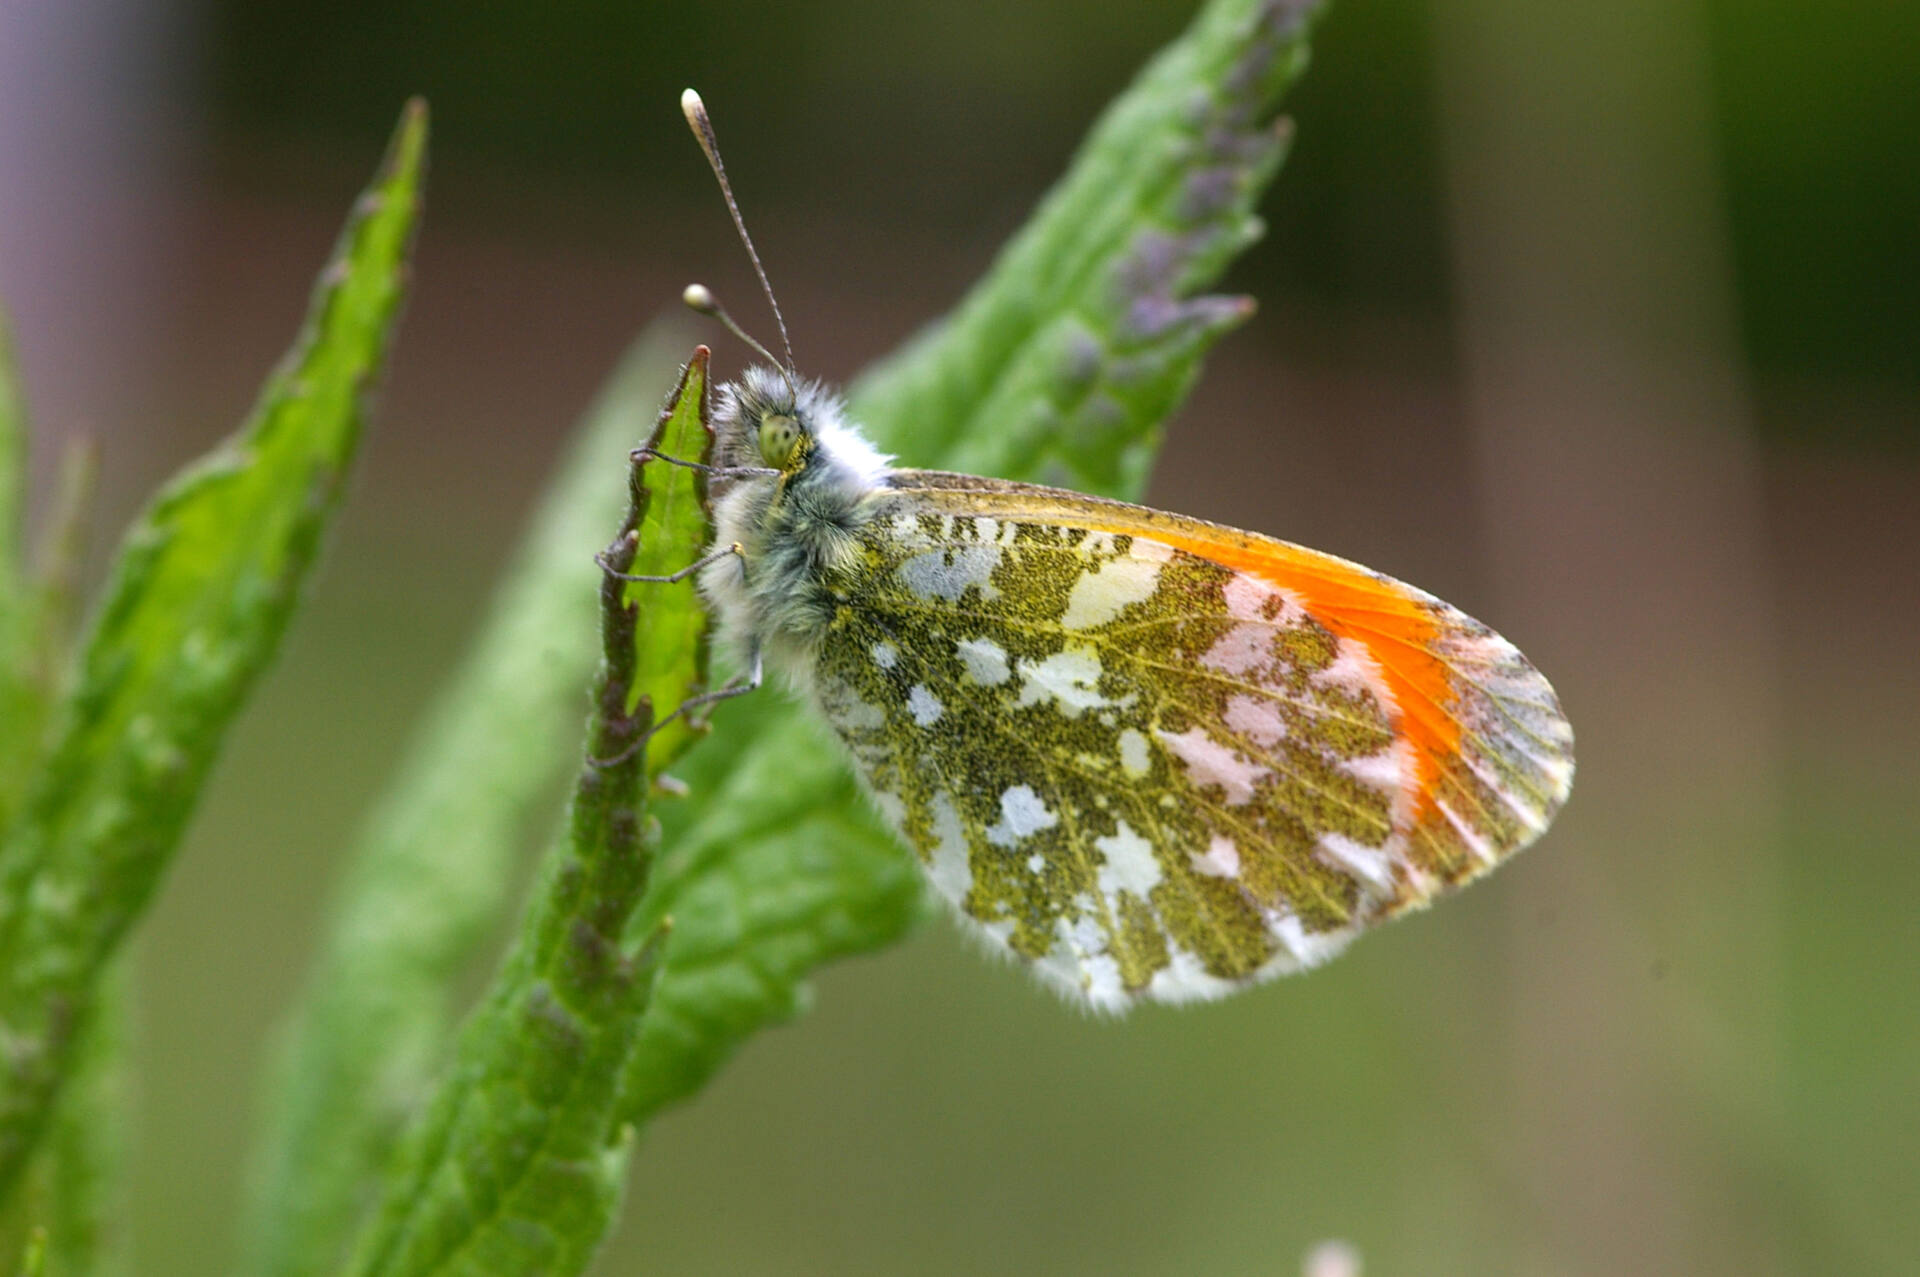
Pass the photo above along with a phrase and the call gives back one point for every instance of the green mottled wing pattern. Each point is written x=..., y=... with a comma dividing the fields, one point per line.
x=1150, y=770
x=1151, y=775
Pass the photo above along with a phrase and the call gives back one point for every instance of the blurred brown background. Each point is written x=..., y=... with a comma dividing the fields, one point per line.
x=1597, y=320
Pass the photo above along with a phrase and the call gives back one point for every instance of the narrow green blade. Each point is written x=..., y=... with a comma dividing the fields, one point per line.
x=195, y=606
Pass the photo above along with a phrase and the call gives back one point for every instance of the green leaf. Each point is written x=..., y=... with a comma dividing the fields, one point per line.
x=429, y=875
x=785, y=870
x=195, y=605
x=36, y=627
x=668, y=525
x=85, y=1149
x=1062, y=363
x=1066, y=357
x=517, y=1164
x=72, y=1193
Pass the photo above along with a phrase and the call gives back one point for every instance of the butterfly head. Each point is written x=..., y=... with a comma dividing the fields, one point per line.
x=771, y=420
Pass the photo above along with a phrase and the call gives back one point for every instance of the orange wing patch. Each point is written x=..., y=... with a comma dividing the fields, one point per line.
x=1492, y=751
x=1397, y=629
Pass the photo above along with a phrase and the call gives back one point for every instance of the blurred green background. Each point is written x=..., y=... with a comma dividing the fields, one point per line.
x=1597, y=320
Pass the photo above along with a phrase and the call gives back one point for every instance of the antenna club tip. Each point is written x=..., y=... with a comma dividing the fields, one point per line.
x=690, y=104
x=698, y=297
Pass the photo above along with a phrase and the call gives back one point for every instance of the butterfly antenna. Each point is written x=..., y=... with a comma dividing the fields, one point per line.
x=696, y=112
x=699, y=298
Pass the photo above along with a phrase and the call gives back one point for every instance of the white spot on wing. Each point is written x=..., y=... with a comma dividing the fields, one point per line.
x=1256, y=718
x=1251, y=599
x=924, y=705
x=847, y=710
x=1384, y=771
x=949, y=573
x=1134, y=759
x=1183, y=979
x=1222, y=859
x=1529, y=819
x=1211, y=763
x=1130, y=864
x=885, y=655
x=1070, y=679
x=1080, y=961
x=1307, y=950
x=1022, y=814
x=985, y=660
x=1241, y=649
x=1103, y=593
x=1100, y=981
x=951, y=867
x=1468, y=834
x=1559, y=775
x=1096, y=542
x=1354, y=670
x=1152, y=551
x=1370, y=865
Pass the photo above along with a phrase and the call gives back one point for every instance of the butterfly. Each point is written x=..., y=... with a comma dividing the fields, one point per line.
x=1157, y=758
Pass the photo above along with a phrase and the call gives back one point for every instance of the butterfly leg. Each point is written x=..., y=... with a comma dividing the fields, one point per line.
x=672, y=577
x=747, y=682
x=750, y=681
x=712, y=472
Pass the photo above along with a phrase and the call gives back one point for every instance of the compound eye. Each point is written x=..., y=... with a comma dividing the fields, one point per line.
x=778, y=436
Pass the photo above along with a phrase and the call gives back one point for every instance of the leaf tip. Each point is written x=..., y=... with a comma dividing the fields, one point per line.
x=406, y=152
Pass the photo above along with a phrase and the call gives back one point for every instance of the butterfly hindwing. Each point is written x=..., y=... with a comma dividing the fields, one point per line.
x=1162, y=759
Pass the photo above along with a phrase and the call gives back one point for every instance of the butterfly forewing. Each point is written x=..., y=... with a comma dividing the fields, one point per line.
x=1161, y=759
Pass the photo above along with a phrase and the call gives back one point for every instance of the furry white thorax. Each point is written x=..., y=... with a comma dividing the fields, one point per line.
x=792, y=527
